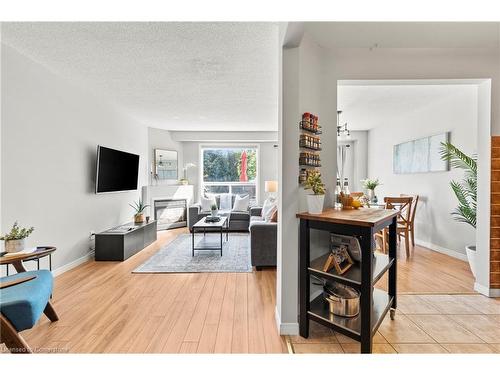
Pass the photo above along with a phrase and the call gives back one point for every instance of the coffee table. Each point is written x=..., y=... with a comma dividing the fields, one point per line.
x=217, y=227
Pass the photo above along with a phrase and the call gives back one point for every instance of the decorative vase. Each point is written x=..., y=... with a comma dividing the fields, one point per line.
x=214, y=213
x=471, y=257
x=370, y=194
x=139, y=218
x=13, y=246
x=315, y=203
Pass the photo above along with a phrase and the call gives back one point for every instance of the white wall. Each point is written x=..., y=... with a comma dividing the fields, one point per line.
x=455, y=111
x=484, y=190
x=430, y=63
x=267, y=163
x=162, y=139
x=355, y=64
x=227, y=136
x=1, y=131
x=50, y=131
x=304, y=90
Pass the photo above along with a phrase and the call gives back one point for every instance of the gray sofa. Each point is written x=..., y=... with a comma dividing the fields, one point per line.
x=239, y=221
x=263, y=240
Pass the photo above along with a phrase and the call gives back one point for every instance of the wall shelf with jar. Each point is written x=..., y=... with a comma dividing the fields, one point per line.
x=309, y=159
x=310, y=142
x=310, y=123
x=310, y=145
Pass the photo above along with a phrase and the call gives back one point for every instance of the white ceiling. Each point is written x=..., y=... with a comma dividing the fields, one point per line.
x=405, y=34
x=179, y=76
x=368, y=107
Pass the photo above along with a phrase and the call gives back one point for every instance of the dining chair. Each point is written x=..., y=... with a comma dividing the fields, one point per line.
x=413, y=211
x=403, y=205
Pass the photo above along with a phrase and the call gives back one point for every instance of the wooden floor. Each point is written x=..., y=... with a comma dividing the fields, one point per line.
x=104, y=308
x=427, y=272
x=423, y=324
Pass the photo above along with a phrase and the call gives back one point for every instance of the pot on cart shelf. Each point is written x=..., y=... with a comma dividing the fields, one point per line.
x=315, y=203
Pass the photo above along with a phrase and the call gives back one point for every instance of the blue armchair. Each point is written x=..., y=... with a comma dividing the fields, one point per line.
x=23, y=299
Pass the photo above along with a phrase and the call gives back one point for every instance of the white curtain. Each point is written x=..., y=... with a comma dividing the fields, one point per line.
x=341, y=160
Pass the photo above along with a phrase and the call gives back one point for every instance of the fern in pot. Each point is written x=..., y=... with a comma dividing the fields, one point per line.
x=315, y=200
x=465, y=191
x=15, y=240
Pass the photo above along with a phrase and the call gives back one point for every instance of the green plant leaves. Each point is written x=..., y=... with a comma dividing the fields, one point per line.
x=315, y=183
x=17, y=233
x=457, y=158
x=371, y=184
x=138, y=206
x=465, y=191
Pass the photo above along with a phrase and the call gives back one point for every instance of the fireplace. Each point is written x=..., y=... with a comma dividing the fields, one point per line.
x=170, y=213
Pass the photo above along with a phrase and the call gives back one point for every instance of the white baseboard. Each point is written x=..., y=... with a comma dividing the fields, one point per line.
x=442, y=250
x=495, y=293
x=291, y=329
x=488, y=292
x=73, y=264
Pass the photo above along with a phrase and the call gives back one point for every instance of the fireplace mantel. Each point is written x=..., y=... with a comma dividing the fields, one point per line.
x=162, y=192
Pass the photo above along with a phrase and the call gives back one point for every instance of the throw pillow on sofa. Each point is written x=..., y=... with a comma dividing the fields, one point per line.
x=268, y=208
x=274, y=217
x=225, y=200
x=206, y=203
x=269, y=214
x=241, y=203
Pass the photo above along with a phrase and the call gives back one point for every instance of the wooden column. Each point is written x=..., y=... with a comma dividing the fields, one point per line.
x=495, y=214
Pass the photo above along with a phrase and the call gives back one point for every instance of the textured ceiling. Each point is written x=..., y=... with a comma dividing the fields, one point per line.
x=179, y=76
x=368, y=107
x=405, y=34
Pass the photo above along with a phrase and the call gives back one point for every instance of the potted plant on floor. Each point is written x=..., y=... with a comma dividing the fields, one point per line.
x=139, y=208
x=315, y=200
x=15, y=239
x=465, y=191
x=370, y=186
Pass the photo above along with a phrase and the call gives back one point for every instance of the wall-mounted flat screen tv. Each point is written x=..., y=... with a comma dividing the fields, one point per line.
x=116, y=170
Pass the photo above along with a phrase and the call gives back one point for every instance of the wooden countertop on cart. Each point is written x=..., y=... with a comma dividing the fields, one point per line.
x=364, y=217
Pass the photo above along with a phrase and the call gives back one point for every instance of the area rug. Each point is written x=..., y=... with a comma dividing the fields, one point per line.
x=176, y=256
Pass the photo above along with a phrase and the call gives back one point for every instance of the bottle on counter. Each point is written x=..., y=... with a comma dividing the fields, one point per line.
x=338, y=197
x=345, y=190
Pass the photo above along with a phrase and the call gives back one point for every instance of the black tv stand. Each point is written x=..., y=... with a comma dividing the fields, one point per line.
x=123, y=241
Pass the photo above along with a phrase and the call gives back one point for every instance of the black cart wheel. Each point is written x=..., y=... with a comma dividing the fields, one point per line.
x=392, y=314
